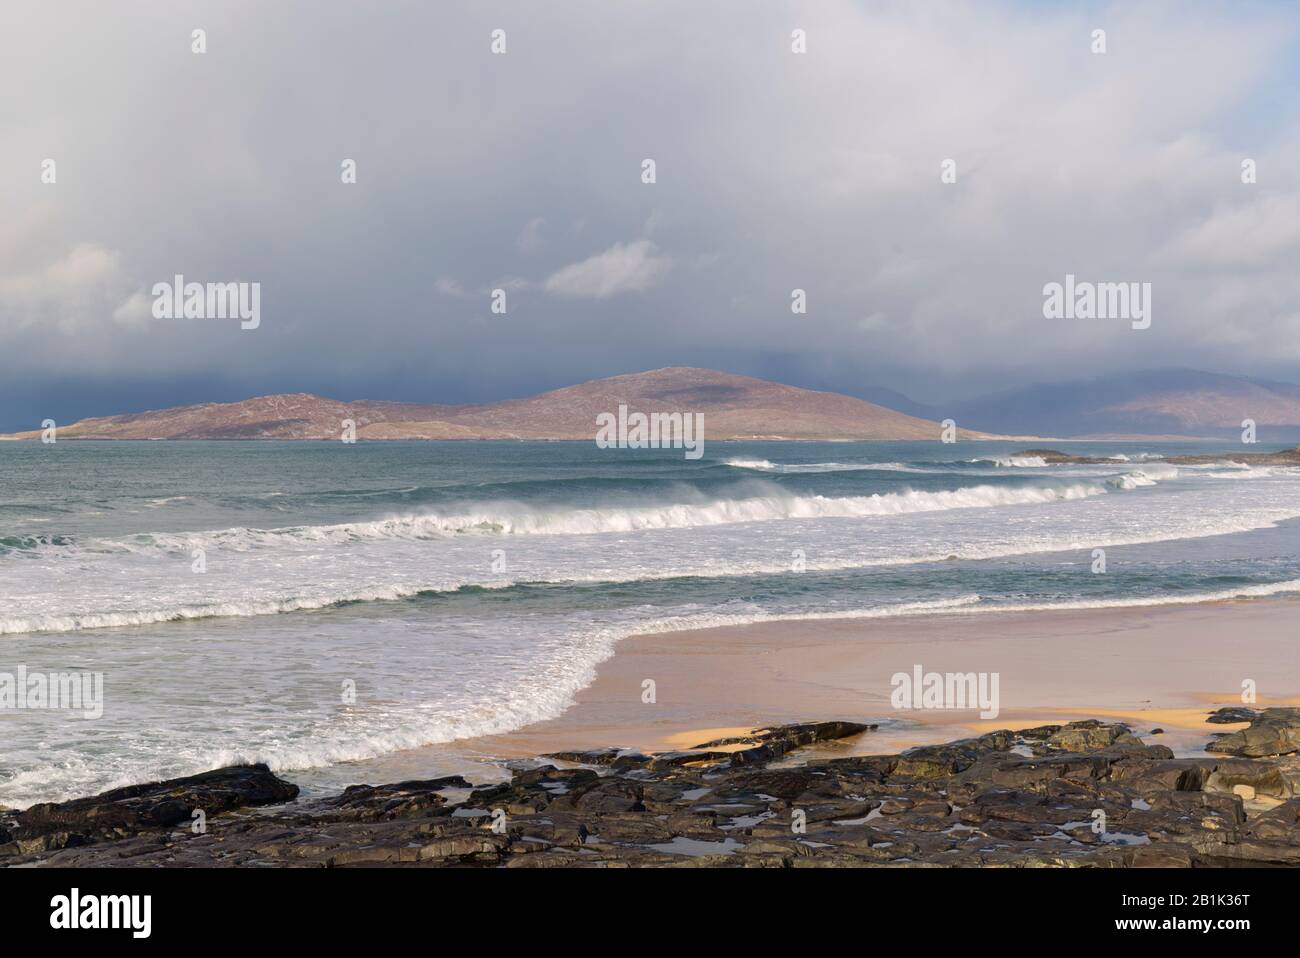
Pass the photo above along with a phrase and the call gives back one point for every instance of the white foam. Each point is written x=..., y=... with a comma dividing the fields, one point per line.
x=965, y=605
x=509, y=518
x=77, y=621
x=1136, y=457
x=1249, y=472
x=538, y=693
x=271, y=582
x=1017, y=462
x=765, y=465
x=1146, y=476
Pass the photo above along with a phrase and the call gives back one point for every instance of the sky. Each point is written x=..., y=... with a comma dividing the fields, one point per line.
x=522, y=172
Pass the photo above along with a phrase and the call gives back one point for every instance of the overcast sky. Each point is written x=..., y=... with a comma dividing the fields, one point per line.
x=523, y=171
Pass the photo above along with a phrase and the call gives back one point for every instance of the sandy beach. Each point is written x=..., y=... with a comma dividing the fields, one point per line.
x=816, y=786
x=1151, y=667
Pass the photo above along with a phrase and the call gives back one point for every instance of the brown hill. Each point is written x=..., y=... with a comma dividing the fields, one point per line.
x=734, y=407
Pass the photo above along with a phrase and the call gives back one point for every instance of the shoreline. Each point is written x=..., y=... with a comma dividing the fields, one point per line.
x=775, y=745
x=1082, y=794
x=1148, y=667
x=1154, y=666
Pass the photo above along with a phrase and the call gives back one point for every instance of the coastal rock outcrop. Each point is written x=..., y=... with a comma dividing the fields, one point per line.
x=1274, y=731
x=399, y=800
x=1074, y=795
x=127, y=811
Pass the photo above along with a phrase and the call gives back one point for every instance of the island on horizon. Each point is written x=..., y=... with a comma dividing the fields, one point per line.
x=1146, y=407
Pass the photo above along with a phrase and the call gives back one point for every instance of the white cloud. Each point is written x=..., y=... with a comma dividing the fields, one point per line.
x=623, y=268
x=1256, y=233
x=70, y=293
x=136, y=310
x=781, y=171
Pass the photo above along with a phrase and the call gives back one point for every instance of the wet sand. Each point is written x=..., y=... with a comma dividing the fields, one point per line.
x=1152, y=667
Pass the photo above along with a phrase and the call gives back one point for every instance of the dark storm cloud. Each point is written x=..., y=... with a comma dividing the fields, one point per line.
x=522, y=172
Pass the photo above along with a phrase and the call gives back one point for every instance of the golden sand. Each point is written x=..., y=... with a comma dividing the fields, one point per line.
x=1148, y=667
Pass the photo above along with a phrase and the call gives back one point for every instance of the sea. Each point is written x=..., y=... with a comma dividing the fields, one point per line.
x=318, y=606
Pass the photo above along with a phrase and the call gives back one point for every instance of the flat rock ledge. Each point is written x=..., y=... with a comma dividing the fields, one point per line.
x=1271, y=732
x=1086, y=794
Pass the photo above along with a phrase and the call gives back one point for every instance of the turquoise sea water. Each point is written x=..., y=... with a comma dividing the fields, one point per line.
x=470, y=588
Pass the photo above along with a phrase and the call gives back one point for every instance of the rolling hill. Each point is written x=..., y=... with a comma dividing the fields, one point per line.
x=734, y=407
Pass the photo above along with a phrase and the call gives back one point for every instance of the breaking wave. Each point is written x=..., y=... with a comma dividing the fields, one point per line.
x=794, y=468
x=515, y=519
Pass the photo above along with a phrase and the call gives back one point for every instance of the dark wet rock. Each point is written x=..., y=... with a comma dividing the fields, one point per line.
x=399, y=800
x=1174, y=774
x=532, y=789
x=125, y=811
x=1160, y=856
x=1055, y=457
x=1273, y=731
x=607, y=757
x=940, y=761
x=762, y=745
x=665, y=760
x=785, y=783
x=1080, y=794
x=1260, y=778
x=782, y=738
x=1280, y=824
x=1088, y=735
x=603, y=796
x=1231, y=715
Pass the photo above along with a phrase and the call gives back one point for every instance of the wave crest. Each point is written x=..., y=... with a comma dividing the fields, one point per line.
x=518, y=519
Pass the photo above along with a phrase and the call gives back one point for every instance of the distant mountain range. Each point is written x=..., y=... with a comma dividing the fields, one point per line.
x=734, y=407
x=1169, y=403
x=1163, y=402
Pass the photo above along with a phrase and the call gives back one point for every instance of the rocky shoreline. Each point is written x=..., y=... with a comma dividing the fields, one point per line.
x=1082, y=794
